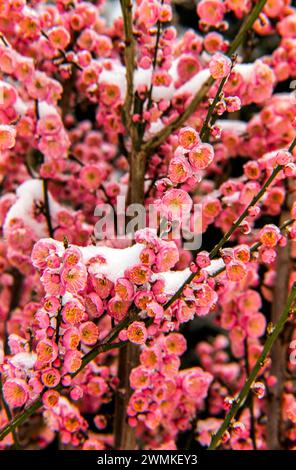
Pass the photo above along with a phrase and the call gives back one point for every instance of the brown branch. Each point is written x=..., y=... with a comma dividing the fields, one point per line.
x=242, y=396
x=14, y=302
x=279, y=352
x=107, y=344
x=47, y=208
x=129, y=58
x=124, y=435
x=251, y=399
x=9, y=416
x=164, y=133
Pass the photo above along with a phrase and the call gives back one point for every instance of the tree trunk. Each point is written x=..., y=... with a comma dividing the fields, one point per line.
x=279, y=351
x=124, y=435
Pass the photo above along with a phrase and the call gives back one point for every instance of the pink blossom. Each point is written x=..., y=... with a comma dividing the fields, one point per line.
x=256, y=325
x=176, y=202
x=220, y=66
x=89, y=333
x=137, y=333
x=15, y=392
x=73, y=312
x=269, y=235
x=74, y=278
x=7, y=137
x=201, y=156
x=59, y=37
x=50, y=377
x=188, y=138
x=72, y=361
x=196, y=382
x=211, y=11
x=47, y=351
x=179, y=170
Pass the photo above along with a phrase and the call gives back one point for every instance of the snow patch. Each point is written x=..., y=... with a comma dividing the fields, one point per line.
x=28, y=194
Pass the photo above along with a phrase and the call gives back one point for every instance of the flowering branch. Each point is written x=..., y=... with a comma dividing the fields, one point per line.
x=256, y=369
x=129, y=55
x=154, y=63
x=105, y=346
x=164, y=133
x=255, y=246
x=251, y=401
x=284, y=268
x=204, y=133
x=214, y=252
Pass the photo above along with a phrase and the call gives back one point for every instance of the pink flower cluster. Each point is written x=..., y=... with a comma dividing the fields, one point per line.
x=166, y=399
x=79, y=104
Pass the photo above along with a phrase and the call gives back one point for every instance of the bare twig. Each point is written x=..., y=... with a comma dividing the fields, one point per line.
x=238, y=402
x=14, y=301
x=47, y=208
x=129, y=56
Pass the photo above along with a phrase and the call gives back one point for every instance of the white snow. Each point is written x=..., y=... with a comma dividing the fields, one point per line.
x=142, y=77
x=24, y=360
x=29, y=193
x=20, y=107
x=116, y=76
x=195, y=83
x=245, y=70
x=240, y=127
x=45, y=109
x=117, y=260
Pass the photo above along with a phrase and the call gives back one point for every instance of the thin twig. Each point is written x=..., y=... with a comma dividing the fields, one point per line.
x=47, y=208
x=9, y=416
x=154, y=62
x=283, y=269
x=129, y=57
x=238, y=402
x=105, y=346
x=14, y=301
x=204, y=133
x=164, y=133
x=215, y=251
x=251, y=404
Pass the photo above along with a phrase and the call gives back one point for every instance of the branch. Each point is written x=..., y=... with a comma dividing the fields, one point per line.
x=14, y=301
x=154, y=63
x=129, y=56
x=255, y=246
x=205, y=130
x=164, y=133
x=278, y=356
x=256, y=369
x=251, y=404
x=235, y=225
x=105, y=346
x=47, y=208
x=9, y=416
